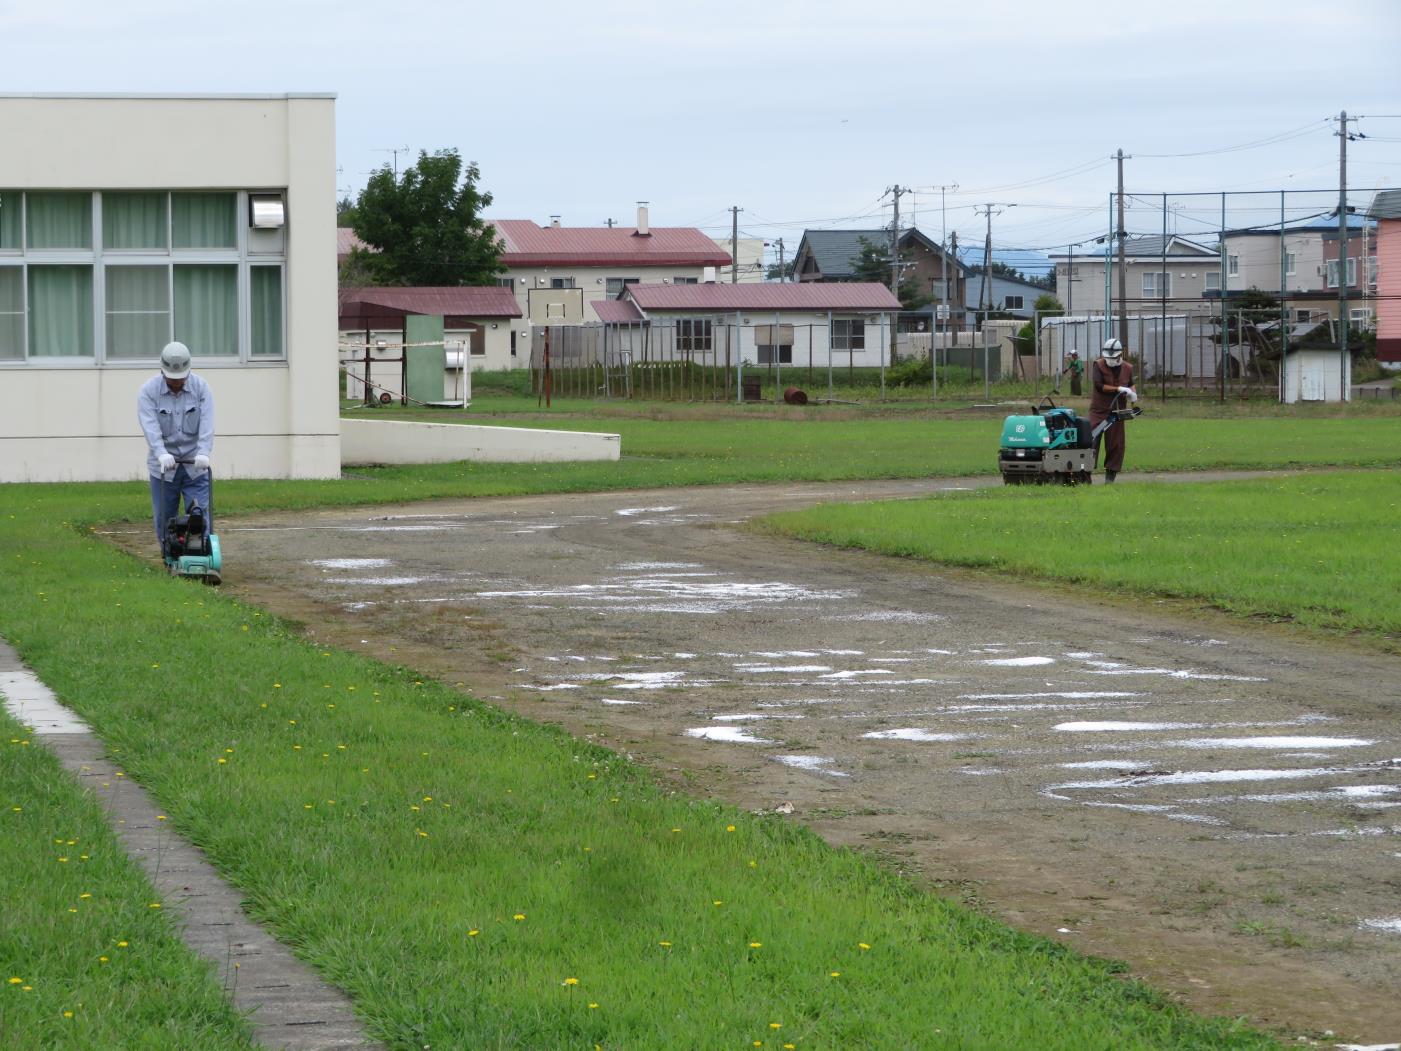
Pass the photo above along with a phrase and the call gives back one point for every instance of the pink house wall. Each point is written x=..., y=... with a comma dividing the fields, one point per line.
x=1388, y=298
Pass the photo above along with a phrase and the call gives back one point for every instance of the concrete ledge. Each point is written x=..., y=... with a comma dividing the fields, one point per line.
x=396, y=442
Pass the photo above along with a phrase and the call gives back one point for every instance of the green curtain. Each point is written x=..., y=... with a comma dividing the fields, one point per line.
x=60, y=311
x=10, y=225
x=265, y=288
x=11, y=313
x=134, y=220
x=138, y=311
x=204, y=220
x=60, y=220
x=206, y=309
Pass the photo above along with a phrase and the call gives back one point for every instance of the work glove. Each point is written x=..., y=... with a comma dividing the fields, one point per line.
x=166, y=462
x=1132, y=394
x=201, y=463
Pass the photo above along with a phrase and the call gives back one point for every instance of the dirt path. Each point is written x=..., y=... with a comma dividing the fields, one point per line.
x=1213, y=803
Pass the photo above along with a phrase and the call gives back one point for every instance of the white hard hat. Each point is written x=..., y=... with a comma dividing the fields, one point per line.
x=1113, y=349
x=175, y=361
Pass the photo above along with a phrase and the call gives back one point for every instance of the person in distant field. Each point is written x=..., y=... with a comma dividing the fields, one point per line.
x=1075, y=368
x=176, y=412
x=1111, y=386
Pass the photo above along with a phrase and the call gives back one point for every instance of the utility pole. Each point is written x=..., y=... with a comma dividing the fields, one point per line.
x=1343, y=136
x=895, y=192
x=1123, y=270
x=781, y=262
x=396, y=150
x=986, y=285
x=734, y=243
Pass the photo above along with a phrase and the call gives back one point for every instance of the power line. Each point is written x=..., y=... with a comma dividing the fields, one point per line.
x=1269, y=140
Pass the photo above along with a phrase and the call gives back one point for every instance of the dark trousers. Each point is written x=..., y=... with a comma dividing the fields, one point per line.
x=1114, y=445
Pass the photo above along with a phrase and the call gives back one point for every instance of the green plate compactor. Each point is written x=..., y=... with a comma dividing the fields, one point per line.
x=1052, y=445
x=190, y=549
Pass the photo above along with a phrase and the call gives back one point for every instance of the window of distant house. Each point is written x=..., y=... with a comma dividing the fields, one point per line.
x=1372, y=271
x=1213, y=280
x=848, y=334
x=1233, y=265
x=1011, y=302
x=693, y=334
x=1332, y=273
x=767, y=355
x=1360, y=316
x=111, y=277
x=685, y=280
x=561, y=282
x=1289, y=263
x=615, y=284
x=1352, y=270
x=505, y=282
x=1157, y=283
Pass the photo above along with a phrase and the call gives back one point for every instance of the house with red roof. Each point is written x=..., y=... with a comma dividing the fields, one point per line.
x=558, y=272
x=847, y=323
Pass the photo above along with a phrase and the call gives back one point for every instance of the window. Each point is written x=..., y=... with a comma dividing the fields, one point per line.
x=1157, y=284
x=1213, y=280
x=138, y=310
x=615, y=284
x=505, y=282
x=1233, y=265
x=11, y=313
x=685, y=280
x=1371, y=271
x=1332, y=273
x=848, y=334
x=766, y=353
x=1012, y=302
x=1289, y=263
x=1360, y=317
x=1303, y=315
x=693, y=334
x=111, y=277
x=1352, y=270
x=561, y=282
x=11, y=222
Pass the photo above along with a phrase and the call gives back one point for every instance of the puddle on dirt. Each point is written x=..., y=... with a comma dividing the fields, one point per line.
x=351, y=563
x=894, y=616
x=648, y=567
x=630, y=512
x=616, y=701
x=1107, y=764
x=1113, y=668
x=1018, y=662
x=380, y=582
x=1117, y=727
x=740, y=717
x=858, y=673
x=1391, y=926
x=812, y=763
x=913, y=734
x=781, y=669
x=1199, y=777
x=1069, y=695
x=1271, y=742
x=728, y=734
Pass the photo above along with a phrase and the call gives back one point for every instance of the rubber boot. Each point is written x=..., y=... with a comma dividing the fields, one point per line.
x=1109, y=477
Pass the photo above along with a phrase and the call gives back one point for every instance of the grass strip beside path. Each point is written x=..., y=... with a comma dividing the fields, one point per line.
x=1318, y=550
x=477, y=880
x=87, y=959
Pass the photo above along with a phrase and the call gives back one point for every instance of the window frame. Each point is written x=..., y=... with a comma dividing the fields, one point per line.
x=695, y=335
x=1207, y=277
x=98, y=258
x=1007, y=303
x=1150, y=277
x=853, y=333
x=613, y=286
x=1232, y=265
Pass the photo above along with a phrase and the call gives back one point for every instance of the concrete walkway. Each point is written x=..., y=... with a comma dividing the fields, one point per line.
x=289, y=1006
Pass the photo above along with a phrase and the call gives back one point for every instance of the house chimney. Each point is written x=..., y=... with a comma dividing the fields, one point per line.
x=554, y=222
x=642, y=230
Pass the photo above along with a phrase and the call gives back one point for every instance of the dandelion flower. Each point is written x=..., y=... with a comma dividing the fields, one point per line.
x=518, y=917
x=473, y=933
x=592, y=1006
x=571, y=981
x=835, y=974
x=16, y=981
x=665, y=945
x=756, y=945
x=122, y=945
x=863, y=946
x=729, y=828
x=775, y=1025
x=154, y=905
x=717, y=902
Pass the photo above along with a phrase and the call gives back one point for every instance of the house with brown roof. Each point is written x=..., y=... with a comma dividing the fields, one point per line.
x=478, y=333
x=846, y=323
x=557, y=272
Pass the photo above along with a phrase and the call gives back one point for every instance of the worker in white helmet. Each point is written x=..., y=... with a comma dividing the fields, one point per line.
x=176, y=411
x=1111, y=387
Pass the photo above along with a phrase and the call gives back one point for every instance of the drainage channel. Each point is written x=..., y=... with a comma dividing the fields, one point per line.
x=288, y=1005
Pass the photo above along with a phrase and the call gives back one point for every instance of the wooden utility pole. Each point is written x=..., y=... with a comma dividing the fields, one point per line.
x=1342, y=133
x=895, y=241
x=1123, y=270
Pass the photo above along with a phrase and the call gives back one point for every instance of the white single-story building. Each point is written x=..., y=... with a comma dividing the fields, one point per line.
x=848, y=323
x=127, y=221
x=478, y=333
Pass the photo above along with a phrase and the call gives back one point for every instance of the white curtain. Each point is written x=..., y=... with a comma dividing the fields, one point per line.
x=204, y=220
x=60, y=311
x=265, y=293
x=11, y=313
x=134, y=220
x=138, y=311
x=206, y=309
x=60, y=220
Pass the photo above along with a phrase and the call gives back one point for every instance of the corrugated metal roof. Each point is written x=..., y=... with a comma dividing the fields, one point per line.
x=616, y=311
x=346, y=240
x=836, y=250
x=1386, y=205
x=465, y=301
x=722, y=298
x=529, y=244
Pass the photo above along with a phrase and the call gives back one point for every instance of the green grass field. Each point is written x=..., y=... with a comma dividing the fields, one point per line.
x=1318, y=550
x=375, y=820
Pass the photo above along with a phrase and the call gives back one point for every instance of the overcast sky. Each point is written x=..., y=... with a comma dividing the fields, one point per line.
x=801, y=113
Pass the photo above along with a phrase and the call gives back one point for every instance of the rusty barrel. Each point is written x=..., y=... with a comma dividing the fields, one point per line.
x=794, y=396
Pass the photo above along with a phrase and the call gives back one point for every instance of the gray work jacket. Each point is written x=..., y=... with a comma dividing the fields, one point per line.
x=180, y=424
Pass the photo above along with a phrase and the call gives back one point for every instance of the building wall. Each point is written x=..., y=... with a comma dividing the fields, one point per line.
x=1257, y=262
x=1086, y=288
x=77, y=420
x=387, y=374
x=592, y=283
x=1388, y=301
x=750, y=254
x=809, y=335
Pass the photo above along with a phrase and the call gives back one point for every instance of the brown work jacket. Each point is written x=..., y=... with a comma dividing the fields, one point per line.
x=1102, y=375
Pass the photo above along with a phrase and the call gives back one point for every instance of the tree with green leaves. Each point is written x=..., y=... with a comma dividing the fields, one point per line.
x=426, y=226
x=873, y=264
